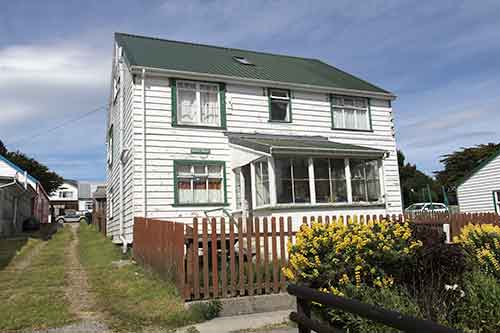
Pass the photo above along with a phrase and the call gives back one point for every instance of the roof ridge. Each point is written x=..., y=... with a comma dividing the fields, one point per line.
x=212, y=46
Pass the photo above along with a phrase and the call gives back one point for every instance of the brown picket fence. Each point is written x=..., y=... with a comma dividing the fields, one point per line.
x=217, y=257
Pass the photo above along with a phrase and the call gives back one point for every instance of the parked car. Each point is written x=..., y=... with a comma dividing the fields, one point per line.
x=71, y=216
x=427, y=207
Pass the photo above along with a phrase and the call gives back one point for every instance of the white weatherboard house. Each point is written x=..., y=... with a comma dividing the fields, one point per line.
x=480, y=191
x=197, y=130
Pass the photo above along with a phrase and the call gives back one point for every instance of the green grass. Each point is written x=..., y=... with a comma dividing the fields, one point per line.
x=34, y=298
x=133, y=298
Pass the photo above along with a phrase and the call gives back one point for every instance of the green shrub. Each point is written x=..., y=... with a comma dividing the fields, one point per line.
x=479, y=309
x=206, y=310
x=482, y=246
x=390, y=299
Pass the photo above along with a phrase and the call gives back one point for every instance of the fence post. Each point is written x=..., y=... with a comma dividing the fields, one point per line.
x=304, y=309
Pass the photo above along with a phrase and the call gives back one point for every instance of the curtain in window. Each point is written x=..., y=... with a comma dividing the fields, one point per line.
x=365, y=180
x=362, y=119
x=262, y=183
x=200, y=184
x=209, y=104
x=350, y=118
x=187, y=104
x=330, y=181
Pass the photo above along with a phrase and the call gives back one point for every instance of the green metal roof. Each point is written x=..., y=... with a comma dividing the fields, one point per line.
x=481, y=165
x=286, y=144
x=198, y=58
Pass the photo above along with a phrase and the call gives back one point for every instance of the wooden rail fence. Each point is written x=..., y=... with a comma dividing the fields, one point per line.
x=218, y=257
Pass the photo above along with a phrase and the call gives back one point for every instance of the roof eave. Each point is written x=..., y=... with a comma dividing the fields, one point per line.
x=137, y=69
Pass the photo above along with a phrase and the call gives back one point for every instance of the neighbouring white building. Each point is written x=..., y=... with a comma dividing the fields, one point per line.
x=479, y=192
x=196, y=130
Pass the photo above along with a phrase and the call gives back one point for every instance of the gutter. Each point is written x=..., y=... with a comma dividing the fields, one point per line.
x=122, y=229
x=277, y=84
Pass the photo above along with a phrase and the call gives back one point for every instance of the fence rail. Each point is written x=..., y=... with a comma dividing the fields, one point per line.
x=219, y=257
x=305, y=296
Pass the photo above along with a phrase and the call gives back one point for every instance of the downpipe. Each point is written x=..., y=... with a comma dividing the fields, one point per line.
x=122, y=100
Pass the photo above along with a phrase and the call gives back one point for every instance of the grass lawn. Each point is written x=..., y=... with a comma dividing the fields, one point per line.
x=133, y=298
x=34, y=297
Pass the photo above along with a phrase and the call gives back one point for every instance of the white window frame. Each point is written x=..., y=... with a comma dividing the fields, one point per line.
x=287, y=99
x=292, y=179
x=198, y=103
x=356, y=109
x=330, y=179
x=254, y=170
x=238, y=181
x=110, y=145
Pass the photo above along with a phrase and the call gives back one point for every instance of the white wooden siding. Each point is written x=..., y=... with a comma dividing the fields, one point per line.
x=475, y=194
x=247, y=111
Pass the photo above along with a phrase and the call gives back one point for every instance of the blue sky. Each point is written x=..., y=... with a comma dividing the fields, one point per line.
x=442, y=59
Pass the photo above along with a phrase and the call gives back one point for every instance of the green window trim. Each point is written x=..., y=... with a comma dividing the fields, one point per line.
x=268, y=91
x=222, y=104
x=368, y=100
x=198, y=162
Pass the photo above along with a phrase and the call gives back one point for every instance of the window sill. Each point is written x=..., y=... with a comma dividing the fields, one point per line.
x=201, y=204
x=200, y=126
x=278, y=207
x=279, y=121
x=353, y=130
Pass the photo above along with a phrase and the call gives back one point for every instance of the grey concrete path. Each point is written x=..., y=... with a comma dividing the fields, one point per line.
x=258, y=322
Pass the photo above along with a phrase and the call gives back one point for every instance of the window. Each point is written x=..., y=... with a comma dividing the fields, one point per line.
x=116, y=88
x=110, y=146
x=243, y=60
x=365, y=180
x=329, y=180
x=279, y=105
x=237, y=188
x=292, y=175
x=262, y=183
x=199, y=183
x=496, y=201
x=198, y=103
x=350, y=113
x=66, y=194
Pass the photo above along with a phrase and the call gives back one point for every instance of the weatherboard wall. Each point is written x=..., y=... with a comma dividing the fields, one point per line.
x=475, y=195
x=247, y=111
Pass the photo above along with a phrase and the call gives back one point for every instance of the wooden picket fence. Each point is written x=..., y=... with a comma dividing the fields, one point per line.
x=217, y=257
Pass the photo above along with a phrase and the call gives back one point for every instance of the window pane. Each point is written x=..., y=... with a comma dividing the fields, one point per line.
x=348, y=102
x=337, y=169
x=336, y=101
x=339, y=185
x=215, y=190
x=262, y=183
x=338, y=118
x=184, y=170
x=200, y=191
x=350, y=119
x=209, y=108
x=237, y=187
x=322, y=190
x=362, y=119
x=283, y=180
x=301, y=191
x=214, y=171
x=360, y=103
x=321, y=168
x=200, y=170
x=279, y=93
x=300, y=168
x=184, y=190
x=187, y=106
x=279, y=110
x=373, y=187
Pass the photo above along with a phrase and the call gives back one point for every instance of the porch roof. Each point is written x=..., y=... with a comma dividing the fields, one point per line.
x=290, y=144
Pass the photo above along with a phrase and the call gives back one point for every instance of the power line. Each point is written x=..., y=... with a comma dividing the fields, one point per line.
x=69, y=121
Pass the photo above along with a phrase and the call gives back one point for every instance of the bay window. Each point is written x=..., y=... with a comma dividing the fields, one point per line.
x=351, y=113
x=365, y=181
x=292, y=180
x=330, y=180
x=198, y=103
x=262, y=183
x=237, y=188
x=199, y=183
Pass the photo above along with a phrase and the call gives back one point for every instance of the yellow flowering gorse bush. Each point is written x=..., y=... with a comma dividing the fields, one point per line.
x=482, y=243
x=331, y=256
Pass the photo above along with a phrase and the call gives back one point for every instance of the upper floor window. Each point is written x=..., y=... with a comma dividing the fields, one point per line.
x=350, y=113
x=66, y=194
x=199, y=183
x=198, y=103
x=280, y=105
